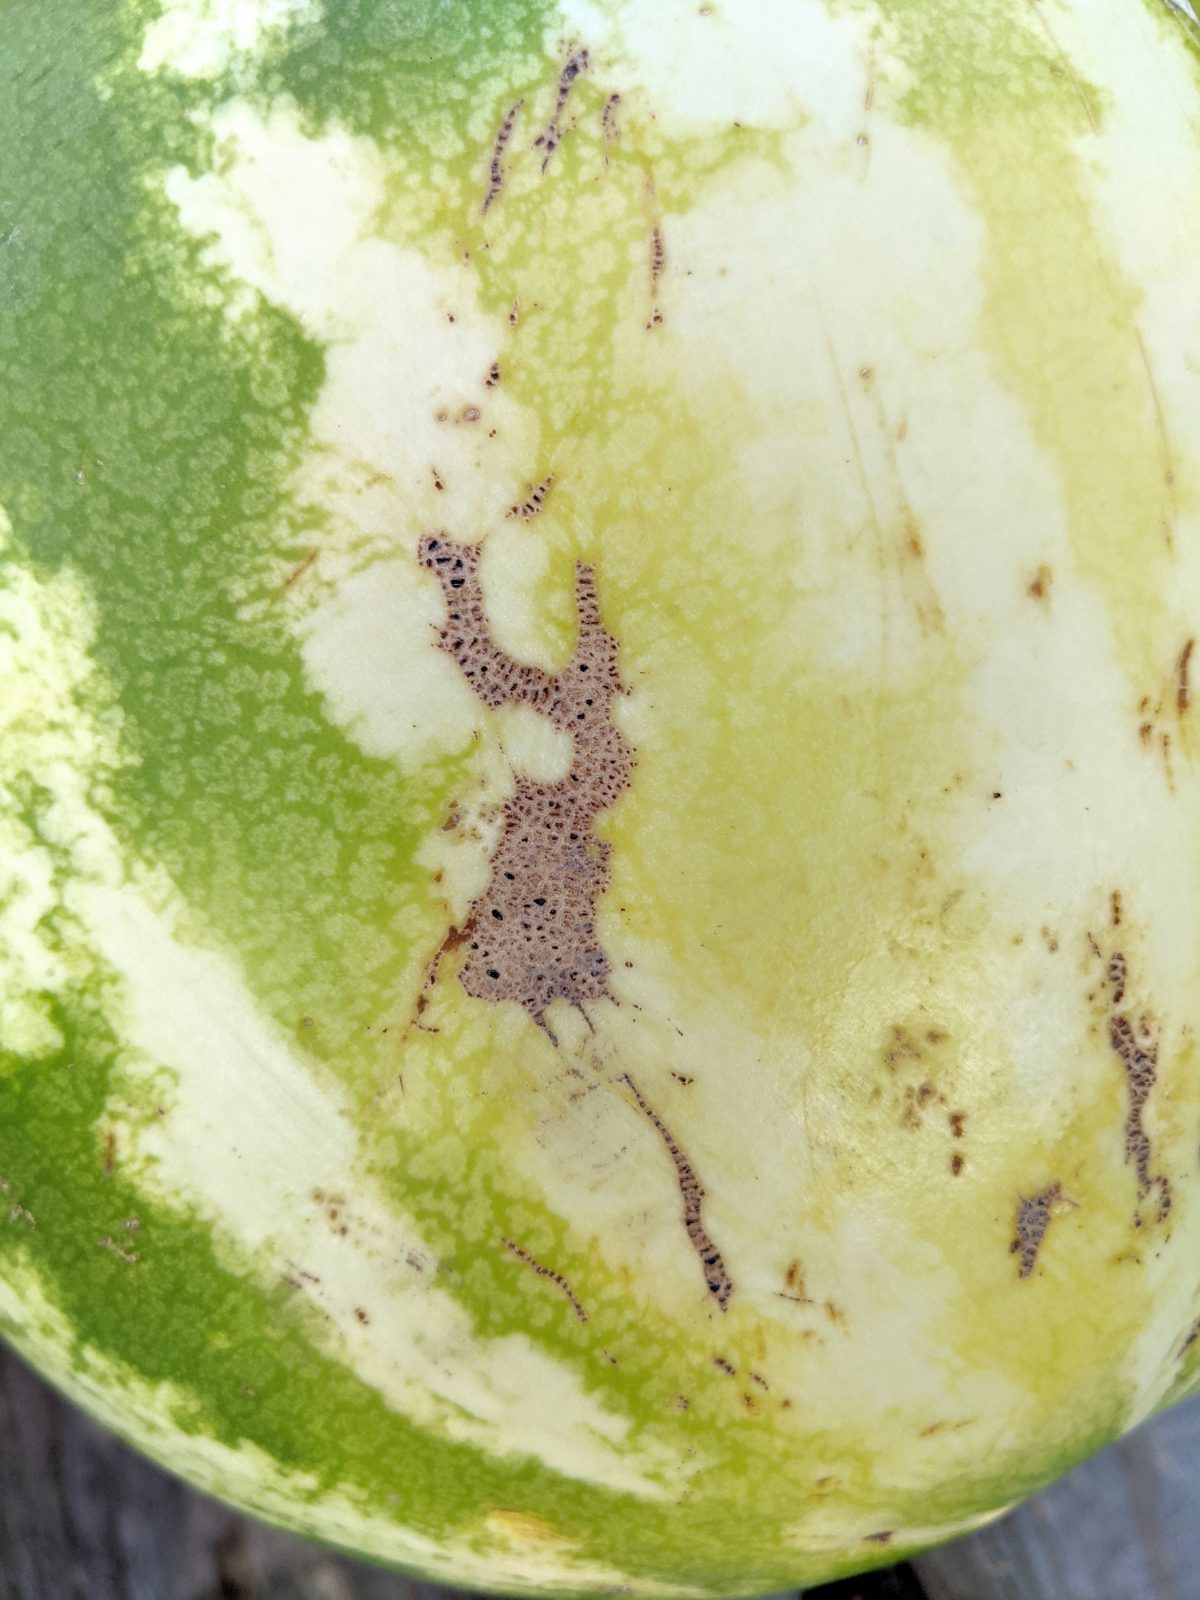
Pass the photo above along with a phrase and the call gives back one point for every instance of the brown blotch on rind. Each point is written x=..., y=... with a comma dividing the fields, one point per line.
x=935, y=1428
x=1139, y=1056
x=716, y=1275
x=1137, y=1050
x=526, y=510
x=1033, y=1219
x=1117, y=976
x=531, y=936
x=658, y=265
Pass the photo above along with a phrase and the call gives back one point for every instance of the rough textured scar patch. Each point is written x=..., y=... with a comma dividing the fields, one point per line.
x=1136, y=1046
x=1034, y=1216
x=531, y=934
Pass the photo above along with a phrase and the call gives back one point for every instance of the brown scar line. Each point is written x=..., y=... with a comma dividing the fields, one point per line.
x=496, y=166
x=552, y=137
x=716, y=1274
x=556, y=1278
x=528, y=509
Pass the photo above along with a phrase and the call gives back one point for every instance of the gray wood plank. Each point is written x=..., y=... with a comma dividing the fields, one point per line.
x=84, y=1518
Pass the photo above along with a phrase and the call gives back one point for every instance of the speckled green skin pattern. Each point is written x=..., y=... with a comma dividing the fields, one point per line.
x=846, y=357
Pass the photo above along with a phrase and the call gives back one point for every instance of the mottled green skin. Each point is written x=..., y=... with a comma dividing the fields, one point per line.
x=152, y=452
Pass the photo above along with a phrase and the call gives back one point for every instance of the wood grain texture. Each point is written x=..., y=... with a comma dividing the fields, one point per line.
x=84, y=1518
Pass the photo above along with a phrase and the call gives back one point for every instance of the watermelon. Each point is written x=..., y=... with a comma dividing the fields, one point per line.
x=600, y=912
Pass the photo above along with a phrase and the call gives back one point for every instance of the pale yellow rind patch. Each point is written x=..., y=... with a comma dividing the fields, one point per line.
x=953, y=546
x=366, y=642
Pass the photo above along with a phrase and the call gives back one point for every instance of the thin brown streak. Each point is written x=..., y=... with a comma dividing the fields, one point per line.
x=298, y=571
x=1183, y=687
x=528, y=509
x=556, y=1278
x=1065, y=62
x=496, y=167
x=1160, y=421
x=716, y=1275
x=608, y=122
x=860, y=466
x=550, y=140
x=658, y=256
x=658, y=265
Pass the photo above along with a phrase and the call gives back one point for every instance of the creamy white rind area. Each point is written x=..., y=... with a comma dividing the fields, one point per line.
x=205, y=38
